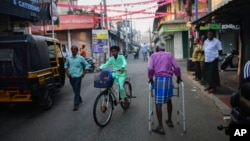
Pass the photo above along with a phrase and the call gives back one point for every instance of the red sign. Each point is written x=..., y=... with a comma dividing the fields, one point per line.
x=67, y=22
x=76, y=19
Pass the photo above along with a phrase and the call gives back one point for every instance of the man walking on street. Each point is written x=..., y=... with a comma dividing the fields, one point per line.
x=145, y=52
x=162, y=66
x=75, y=67
x=212, y=49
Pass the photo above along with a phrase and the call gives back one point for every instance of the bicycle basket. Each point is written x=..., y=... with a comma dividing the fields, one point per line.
x=104, y=79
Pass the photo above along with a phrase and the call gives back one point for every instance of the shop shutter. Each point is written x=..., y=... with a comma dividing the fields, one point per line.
x=185, y=44
x=226, y=39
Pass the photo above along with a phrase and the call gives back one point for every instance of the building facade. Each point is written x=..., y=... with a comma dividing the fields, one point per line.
x=174, y=28
x=234, y=27
x=17, y=16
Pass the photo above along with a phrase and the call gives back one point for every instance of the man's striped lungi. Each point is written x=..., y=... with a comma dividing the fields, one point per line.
x=163, y=89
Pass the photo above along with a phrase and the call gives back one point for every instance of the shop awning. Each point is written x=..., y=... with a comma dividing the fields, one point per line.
x=233, y=11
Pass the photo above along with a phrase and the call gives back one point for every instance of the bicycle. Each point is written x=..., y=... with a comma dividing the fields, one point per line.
x=108, y=99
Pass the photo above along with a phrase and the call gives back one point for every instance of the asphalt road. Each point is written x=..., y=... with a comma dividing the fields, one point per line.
x=61, y=123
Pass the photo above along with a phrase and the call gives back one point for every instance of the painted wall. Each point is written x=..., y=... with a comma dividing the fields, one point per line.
x=218, y=3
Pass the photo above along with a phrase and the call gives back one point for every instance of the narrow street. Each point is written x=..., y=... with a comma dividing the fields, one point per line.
x=61, y=123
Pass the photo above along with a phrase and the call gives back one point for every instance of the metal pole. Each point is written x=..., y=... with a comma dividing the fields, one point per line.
x=150, y=43
x=101, y=16
x=175, y=9
x=126, y=32
x=196, y=10
x=125, y=26
x=53, y=30
x=52, y=19
x=196, y=15
x=105, y=14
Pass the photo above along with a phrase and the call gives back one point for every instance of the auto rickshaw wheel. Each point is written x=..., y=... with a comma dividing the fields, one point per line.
x=48, y=100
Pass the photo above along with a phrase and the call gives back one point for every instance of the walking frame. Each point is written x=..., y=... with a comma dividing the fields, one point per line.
x=180, y=110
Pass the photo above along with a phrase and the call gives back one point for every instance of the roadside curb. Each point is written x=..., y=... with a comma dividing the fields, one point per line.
x=225, y=110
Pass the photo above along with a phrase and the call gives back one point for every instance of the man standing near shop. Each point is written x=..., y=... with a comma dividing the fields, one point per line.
x=212, y=49
x=75, y=67
x=83, y=52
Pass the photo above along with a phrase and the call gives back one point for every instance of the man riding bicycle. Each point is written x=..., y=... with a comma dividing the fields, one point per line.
x=119, y=64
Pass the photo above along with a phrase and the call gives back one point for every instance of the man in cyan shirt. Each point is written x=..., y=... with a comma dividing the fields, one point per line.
x=119, y=64
x=162, y=66
x=75, y=68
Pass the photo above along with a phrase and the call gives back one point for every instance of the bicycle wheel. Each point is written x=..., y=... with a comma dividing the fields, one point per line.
x=128, y=91
x=103, y=109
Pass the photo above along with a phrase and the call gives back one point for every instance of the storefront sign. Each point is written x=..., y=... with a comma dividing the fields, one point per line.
x=230, y=27
x=74, y=22
x=76, y=19
x=28, y=9
x=31, y=6
x=175, y=27
x=214, y=26
x=68, y=22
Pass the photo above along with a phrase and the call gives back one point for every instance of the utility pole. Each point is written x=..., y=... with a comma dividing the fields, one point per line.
x=190, y=50
x=196, y=16
x=126, y=32
x=52, y=18
x=150, y=40
x=125, y=26
x=101, y=16
x=105, y=14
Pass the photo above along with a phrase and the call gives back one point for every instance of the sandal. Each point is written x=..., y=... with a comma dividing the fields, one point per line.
x=159, y=130
x=169, y=123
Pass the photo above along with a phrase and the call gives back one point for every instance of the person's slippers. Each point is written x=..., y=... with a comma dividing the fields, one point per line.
x=169, y=123
x=159, y=130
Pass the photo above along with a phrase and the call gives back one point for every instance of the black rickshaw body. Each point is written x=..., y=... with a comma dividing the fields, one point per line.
x=31, y=69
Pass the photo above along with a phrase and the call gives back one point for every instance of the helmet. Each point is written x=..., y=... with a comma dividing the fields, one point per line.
x=115, y=47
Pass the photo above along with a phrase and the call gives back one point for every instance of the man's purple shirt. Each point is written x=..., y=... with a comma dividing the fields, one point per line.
x=163, y=64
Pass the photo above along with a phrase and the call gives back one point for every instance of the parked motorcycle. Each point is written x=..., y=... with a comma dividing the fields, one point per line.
x=91, y=62
x=228, y=60
x=240, y=115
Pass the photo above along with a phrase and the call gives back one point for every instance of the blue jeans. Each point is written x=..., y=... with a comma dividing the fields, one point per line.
x=144, y=56
x=76, y=85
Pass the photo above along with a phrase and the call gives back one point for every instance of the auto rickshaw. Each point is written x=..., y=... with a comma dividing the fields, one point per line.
x=31, y=69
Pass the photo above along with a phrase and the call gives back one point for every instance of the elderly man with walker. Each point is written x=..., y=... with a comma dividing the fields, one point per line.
x=162, y=66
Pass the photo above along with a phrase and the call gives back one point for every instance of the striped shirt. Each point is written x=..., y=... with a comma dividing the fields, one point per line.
x=246, y=72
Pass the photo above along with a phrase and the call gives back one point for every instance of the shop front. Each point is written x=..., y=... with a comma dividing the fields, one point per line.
x=18, y=15
x=229, y=34
x=71, y=30
x=174, y=34
x=235, y=28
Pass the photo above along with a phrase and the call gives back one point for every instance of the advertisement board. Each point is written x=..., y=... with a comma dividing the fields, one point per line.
x=100, y=41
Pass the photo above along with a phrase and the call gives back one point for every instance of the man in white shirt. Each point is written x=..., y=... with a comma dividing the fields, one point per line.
x=212, y=49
